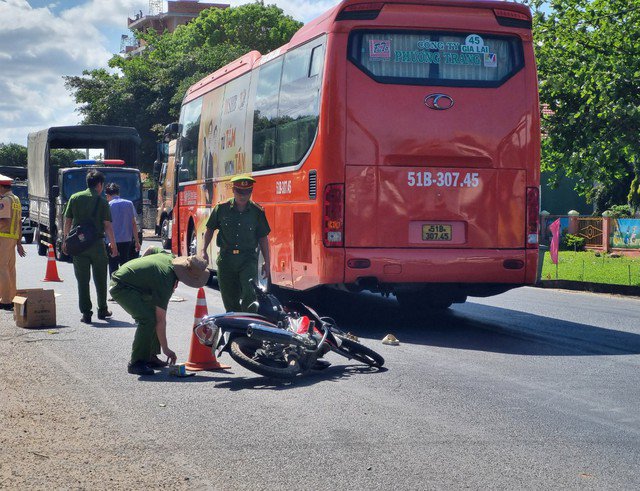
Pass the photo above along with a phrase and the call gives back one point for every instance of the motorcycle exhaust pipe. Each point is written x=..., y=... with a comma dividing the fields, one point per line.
x=280, y=336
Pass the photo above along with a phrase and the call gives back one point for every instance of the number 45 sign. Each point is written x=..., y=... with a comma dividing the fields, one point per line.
x=474, y=44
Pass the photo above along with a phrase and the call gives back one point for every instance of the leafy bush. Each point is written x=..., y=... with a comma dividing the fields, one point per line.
x=570, y=242
x=620, y=211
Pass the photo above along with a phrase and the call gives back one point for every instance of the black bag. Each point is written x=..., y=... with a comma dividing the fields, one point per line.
x=83, y=235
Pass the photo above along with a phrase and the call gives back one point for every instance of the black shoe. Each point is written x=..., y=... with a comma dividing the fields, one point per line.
x=139, y=368
x=104, y=315
x=155, y=362
x=6, y=306
x=86, y=318
x=321, y=364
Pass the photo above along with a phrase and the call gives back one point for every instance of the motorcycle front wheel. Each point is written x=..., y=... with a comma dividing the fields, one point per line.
x=248, y=353
x=361, y=353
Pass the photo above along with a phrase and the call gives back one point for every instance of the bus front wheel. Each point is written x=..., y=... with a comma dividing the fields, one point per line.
x=164, y=234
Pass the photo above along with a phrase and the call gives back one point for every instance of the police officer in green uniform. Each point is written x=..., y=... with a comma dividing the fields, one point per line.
x=80, y=208
x=242, y=228
x=143, y=288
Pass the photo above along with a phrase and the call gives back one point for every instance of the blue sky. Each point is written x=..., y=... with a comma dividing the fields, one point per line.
x=43, y=40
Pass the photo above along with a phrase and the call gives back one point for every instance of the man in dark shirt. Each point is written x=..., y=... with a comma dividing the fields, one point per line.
x=242, y=227
x=143, y=287
x=83, y=206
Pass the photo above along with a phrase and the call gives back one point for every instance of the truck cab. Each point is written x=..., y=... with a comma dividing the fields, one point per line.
x=51, y=186
x=71, y=180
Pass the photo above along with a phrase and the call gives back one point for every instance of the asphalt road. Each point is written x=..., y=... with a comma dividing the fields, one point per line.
x=531, y=389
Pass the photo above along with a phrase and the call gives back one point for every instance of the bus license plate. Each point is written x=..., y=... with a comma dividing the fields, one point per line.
x=432, y=231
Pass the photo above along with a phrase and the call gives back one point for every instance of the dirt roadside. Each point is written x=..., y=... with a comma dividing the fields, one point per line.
x=50, y=438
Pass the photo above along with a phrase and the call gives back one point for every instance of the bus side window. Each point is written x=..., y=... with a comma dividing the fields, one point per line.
x=265, y=115
x=317, y=57
x=190, y=123
x=299, y=103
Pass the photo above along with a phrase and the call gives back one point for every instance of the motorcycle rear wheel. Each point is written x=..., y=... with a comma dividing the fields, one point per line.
x=244, y=351
x=361, y=353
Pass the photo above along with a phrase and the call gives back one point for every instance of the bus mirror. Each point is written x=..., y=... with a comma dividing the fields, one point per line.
x=184, y=175
x=172, y=130
x=151, y=195
x=157, y=167
x=55, y=191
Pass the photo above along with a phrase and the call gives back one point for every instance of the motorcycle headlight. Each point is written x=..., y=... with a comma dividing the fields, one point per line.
x=206, y=332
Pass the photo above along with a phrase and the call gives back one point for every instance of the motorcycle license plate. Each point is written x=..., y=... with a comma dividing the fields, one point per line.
x=436, y=231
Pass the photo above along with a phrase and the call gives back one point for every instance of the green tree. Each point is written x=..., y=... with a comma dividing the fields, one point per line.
x=589, y=72
x=145, y=91
x=16, y=155
x=63, y=157
x=13, y=154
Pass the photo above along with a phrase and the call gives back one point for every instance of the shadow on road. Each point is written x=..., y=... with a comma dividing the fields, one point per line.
x=225, y=379
x=333, y=373
x=475, y=327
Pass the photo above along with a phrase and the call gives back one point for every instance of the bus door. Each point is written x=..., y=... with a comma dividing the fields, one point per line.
x=440, y=131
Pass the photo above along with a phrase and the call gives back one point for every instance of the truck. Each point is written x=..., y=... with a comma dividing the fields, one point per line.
x=19, y=188
x=50, y=186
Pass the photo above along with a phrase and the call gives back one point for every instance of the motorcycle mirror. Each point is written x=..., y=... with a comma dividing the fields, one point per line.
x=258, y=286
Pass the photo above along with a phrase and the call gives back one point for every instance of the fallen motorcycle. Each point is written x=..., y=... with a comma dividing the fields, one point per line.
x=280, y=341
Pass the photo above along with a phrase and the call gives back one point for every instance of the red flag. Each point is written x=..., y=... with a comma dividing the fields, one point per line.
x=555, y=241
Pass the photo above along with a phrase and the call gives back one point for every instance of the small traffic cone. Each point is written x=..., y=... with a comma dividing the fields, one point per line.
x=201, y=357
x=52, y=269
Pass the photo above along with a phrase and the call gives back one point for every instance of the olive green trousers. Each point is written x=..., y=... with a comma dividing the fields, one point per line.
x=140, y=307
x=235, y=274
x=93, y=260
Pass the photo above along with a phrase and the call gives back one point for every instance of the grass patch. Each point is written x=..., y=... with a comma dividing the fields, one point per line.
x=586, y=266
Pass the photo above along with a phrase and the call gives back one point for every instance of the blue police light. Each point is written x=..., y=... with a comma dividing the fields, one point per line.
x=87, y=162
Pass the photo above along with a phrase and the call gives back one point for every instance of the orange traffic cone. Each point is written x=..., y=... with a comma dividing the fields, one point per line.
x=201, y=357
x=52, y=269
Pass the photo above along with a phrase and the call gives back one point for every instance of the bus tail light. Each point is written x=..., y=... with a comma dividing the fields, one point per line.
x=510, y=18
x=361, y=11
x=533, y=217
x=333, y=216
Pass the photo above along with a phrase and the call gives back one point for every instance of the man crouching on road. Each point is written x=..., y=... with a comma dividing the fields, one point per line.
x=143, y=287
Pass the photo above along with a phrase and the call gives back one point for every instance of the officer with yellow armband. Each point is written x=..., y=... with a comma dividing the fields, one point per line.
x=10, y=240
x=242, y=227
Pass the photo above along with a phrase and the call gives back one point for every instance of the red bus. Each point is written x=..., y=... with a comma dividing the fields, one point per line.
x=395, y=144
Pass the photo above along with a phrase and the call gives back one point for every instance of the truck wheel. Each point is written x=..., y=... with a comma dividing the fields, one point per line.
x=28, y=238
x=42, y=248
x=164, y=234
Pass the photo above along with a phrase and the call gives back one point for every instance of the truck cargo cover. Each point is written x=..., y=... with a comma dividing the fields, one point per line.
x=118, y=142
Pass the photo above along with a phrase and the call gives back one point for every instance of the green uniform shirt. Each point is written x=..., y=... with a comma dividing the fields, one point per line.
x=152, y=274
x=80, y=209
x=238, y=230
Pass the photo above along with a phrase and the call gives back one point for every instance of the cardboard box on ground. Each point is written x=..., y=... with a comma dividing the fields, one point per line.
x=34, y=307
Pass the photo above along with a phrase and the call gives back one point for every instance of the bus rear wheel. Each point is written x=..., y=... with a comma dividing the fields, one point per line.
x=416, y=301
